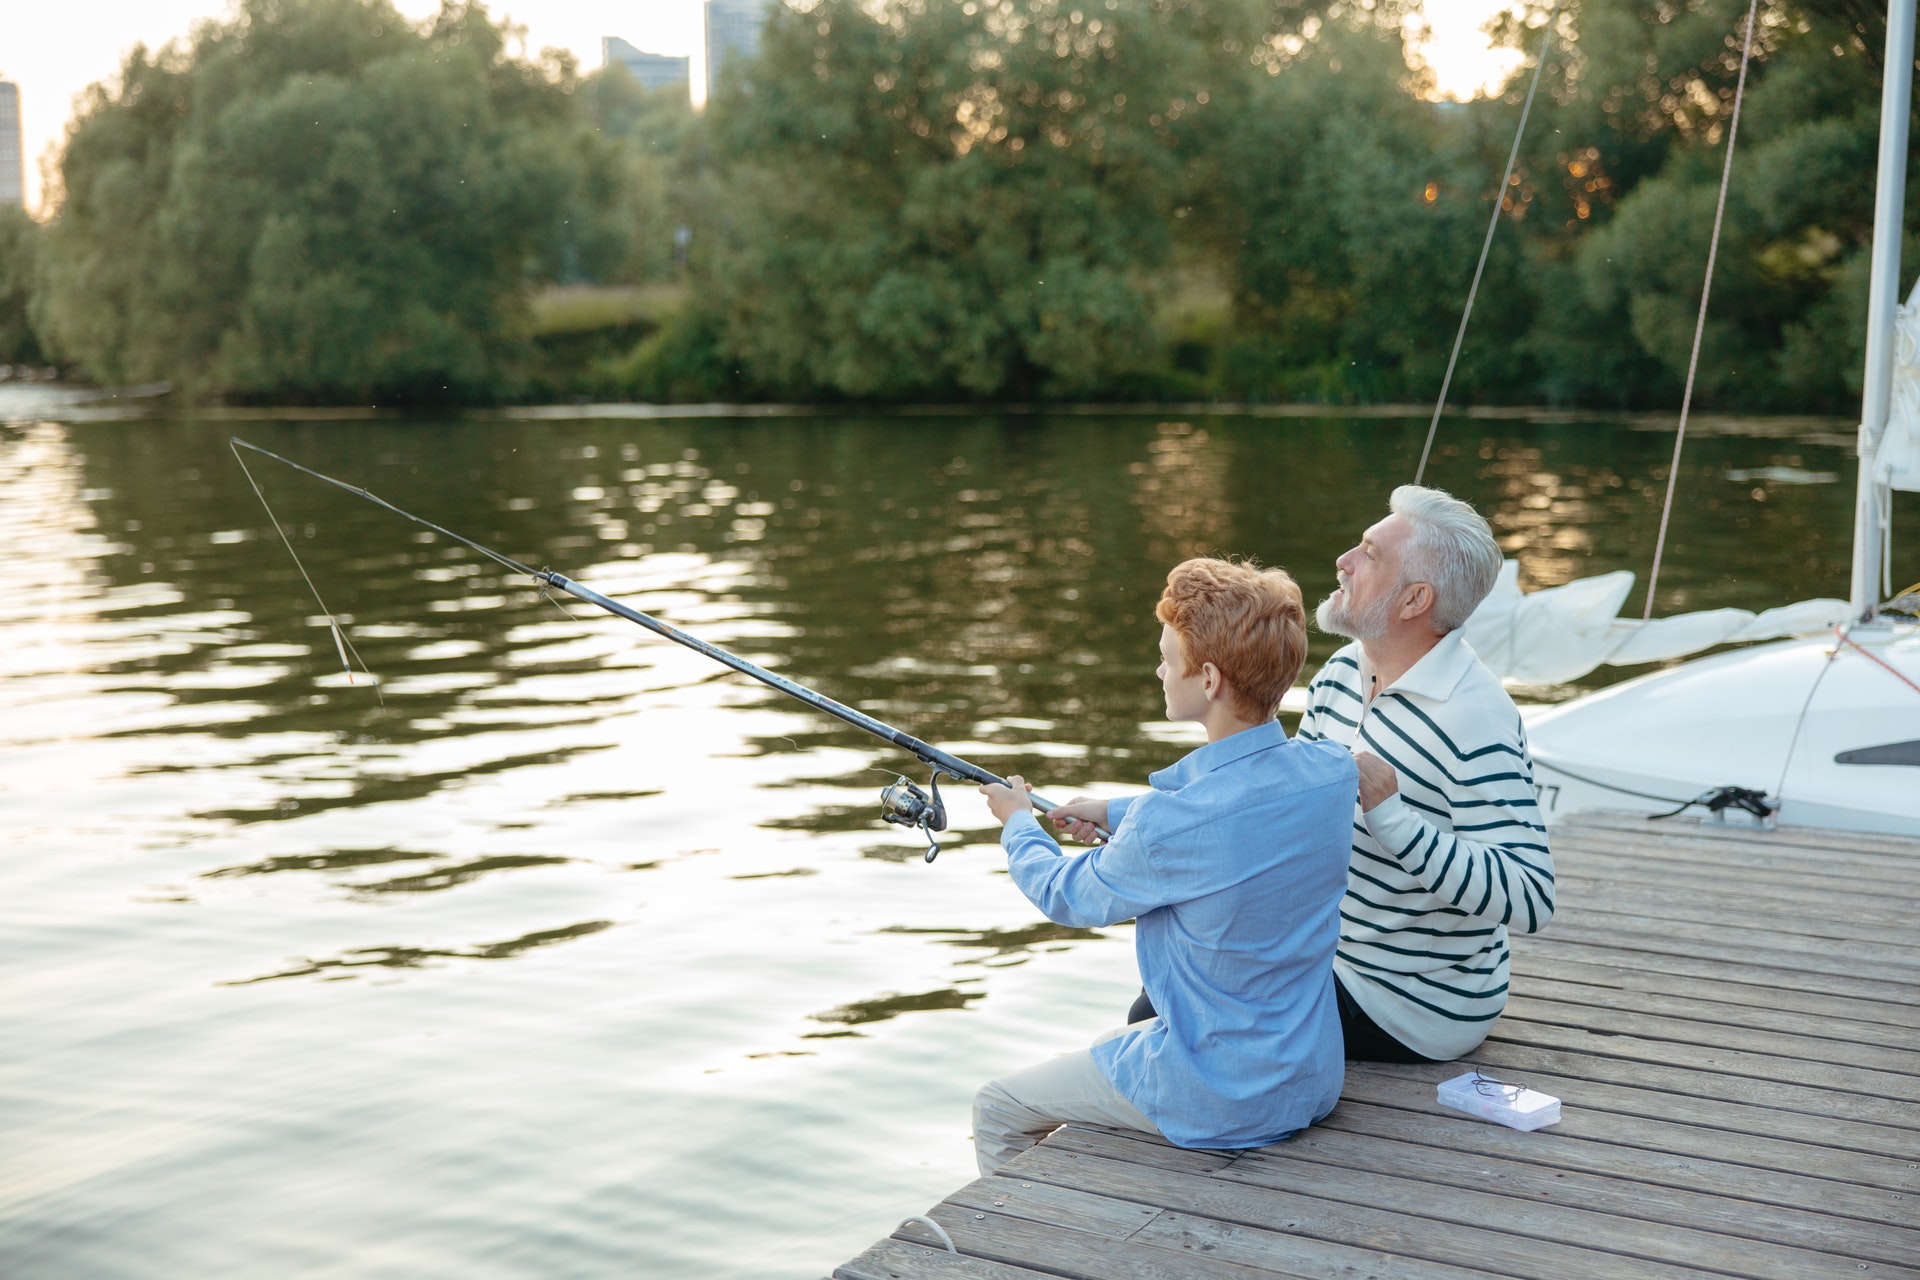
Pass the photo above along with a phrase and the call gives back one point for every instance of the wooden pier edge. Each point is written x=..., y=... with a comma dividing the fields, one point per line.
x=1729, y=1017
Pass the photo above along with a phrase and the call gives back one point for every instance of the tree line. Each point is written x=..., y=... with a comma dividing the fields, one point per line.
x=980, y=200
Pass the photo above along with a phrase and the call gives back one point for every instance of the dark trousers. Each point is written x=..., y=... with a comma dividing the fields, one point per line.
x=1366, y=1042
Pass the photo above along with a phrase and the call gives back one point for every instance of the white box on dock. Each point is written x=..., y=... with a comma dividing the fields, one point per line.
x=1513, y=1105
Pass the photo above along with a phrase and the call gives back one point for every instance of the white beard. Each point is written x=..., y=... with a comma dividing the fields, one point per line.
x=1369, y=624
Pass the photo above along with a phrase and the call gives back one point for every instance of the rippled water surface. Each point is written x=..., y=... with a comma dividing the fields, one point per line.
x=579, y=956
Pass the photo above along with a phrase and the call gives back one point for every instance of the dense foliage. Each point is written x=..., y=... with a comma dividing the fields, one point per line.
x=1143, y=197
x=968, y=199
x=19, y=241
x=316, y=198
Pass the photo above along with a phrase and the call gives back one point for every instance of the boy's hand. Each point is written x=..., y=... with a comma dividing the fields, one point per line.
x=1081, y=819
x=1008, y=800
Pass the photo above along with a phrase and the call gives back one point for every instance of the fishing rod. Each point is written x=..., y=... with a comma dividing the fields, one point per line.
x=902, y=802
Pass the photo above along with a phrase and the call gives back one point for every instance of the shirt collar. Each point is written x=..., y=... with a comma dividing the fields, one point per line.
x=1436, y=675
x=1216, y=755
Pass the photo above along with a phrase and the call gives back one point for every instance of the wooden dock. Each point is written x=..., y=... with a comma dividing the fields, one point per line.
x=1729, y=1016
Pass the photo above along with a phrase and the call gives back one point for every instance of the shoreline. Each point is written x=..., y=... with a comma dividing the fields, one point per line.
x=67, y=402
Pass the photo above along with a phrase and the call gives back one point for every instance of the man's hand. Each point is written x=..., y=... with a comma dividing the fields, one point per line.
x=1008, y=800
x=1377, y=780
x=1081, y=819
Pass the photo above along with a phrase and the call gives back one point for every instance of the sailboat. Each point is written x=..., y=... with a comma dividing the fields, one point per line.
x=1821, y=730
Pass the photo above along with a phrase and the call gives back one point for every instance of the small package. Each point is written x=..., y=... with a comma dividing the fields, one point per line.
x=1513, y=1105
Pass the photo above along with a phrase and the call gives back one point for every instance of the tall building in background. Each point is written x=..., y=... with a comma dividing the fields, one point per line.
x=733, y=31
x=13, y=170
x=652, y=70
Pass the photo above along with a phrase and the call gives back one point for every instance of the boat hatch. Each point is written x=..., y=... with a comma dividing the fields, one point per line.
x=1889, y=753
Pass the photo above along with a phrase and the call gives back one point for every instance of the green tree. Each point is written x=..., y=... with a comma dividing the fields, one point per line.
x=316, y=198
x=1646, y=94
x=973, y=199
x=19, y=242
x=1350, y=212
x=655, y=152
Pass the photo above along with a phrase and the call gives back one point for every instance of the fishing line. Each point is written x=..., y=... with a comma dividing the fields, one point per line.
x=341, y=644
x=903, y=803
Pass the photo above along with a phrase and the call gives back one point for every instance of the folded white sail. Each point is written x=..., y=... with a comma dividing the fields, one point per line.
x=1561, y=633
x=1896, y=462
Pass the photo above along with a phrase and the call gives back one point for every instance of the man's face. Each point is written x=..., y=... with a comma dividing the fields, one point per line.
x=1186, y=694
x=1370, y=583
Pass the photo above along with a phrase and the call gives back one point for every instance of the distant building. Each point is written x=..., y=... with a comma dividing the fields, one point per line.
x=652, y=70
x=13, y=172
x=733, y=31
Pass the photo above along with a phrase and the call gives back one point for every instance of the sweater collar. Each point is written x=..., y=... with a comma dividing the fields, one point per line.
x=1436, y=675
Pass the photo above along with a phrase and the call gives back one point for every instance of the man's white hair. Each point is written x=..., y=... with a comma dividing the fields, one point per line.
x=1452, y=550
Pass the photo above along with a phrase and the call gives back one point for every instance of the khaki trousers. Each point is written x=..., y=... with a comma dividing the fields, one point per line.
x=1016, y=1111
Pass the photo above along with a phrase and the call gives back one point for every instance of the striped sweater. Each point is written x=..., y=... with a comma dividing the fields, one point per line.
x=1443, y=869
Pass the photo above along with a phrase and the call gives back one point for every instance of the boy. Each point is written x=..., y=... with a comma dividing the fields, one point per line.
x=1233, y=866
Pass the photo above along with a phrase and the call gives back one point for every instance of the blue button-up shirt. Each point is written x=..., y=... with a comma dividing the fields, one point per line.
x=1233, y=866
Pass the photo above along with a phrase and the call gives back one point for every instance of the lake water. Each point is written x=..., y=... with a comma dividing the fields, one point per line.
x=578, y=956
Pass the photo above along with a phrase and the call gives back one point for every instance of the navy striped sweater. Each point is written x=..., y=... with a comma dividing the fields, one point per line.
x=1442, y=871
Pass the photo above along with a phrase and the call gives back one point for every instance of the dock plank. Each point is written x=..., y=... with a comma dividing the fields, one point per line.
x=1682, y=834
x=1306, y=1209
x=1744, y=996
x=1654, y=1149
x=1828, y=969
x=1616, y=1196
x=1794, y=1025
x=1701, y=881
x=1080, y=1255
x=1790, y=949
x=1731, y=1017
x=1659, y=1155
x=1644, y=952
x=1843, y=916
x=892, y=1259
x=1066, y=1206
x=1822, y=1060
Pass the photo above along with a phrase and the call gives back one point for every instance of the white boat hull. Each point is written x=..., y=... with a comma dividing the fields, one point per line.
x=1792, y=719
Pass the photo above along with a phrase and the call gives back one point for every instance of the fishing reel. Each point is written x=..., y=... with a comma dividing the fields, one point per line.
x=906, y=805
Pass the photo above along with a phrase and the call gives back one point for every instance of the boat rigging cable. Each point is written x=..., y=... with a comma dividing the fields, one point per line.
x=1493, y=223
x=1700, y=323
x=902, y=803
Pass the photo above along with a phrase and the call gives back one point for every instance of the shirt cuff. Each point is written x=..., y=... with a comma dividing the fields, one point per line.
x=1393, y=824
x=1021, y=826
x=1117, y=811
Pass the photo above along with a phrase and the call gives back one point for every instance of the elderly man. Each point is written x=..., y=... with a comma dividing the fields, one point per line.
x=1449, y=849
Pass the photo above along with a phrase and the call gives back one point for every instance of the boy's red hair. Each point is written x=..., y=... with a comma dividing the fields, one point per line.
x=1247, y=621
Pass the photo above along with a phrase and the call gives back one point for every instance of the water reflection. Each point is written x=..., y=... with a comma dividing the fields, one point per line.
x=1181, y=488
x=331, y=860
x=419, y=957
x=449, y=877
x=861, y=1012
x=1008, y=946
x=1541, y=518
x=357, y=789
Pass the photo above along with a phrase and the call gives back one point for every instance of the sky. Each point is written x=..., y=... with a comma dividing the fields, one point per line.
x=54, y=51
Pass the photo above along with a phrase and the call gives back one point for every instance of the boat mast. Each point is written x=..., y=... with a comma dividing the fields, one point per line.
x=1896, y=105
